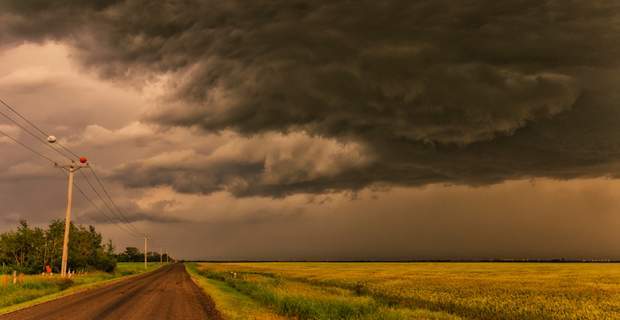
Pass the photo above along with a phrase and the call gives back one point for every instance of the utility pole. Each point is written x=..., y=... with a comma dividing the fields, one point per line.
x=145, y=252
x=161, y=255
x=72, y=168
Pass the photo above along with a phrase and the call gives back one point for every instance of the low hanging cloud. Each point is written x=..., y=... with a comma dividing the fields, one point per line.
x=157, y=213
x=269, y=164
x=397, y=92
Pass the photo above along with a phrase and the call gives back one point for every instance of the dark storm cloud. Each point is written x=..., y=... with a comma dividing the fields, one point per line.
x=132, y=213
x=470, y=92
x=132, y=216
x=272, y=164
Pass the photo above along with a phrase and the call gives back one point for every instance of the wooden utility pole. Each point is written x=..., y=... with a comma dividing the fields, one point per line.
x=145, y=252
x=161, y=255
x=65, y=242
x=72, y=168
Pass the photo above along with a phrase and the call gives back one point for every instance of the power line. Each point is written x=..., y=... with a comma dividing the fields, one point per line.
x=27, y=147
x=45, y=134
x=120, y=213
x=74, y=184
x=112, y=201
x=98, y=209
x=23, y=118
x=128, y=226
x=110, y=219
x=37, y=138
x=103, y=200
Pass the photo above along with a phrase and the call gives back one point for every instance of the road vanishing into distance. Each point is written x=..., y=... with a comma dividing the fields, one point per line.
x=166, y=293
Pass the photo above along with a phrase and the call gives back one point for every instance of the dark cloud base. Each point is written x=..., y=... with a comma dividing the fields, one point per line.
x=437, y=92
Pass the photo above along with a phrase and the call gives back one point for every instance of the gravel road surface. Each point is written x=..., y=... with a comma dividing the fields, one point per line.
x=166, y=293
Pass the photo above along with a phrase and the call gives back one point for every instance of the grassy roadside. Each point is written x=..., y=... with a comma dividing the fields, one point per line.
x=260, y=295
x=232, y=304
x=36, y=289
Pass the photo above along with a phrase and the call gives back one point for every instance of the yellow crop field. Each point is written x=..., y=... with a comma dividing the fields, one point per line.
x=414, y=290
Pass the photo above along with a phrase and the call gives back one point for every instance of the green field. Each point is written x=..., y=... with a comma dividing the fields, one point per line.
x=412, y=290
x=37, y=288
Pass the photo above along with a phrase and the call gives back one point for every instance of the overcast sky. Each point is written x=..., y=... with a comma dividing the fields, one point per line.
x=324, y=129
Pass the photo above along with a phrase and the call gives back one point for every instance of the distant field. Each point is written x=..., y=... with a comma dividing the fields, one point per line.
x=412, y=290
x=40, y=287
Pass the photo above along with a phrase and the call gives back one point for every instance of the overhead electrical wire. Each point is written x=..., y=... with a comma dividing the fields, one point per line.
x=111, y=220
x=23, y=118
x=45, y=134
x=120, y=216
x=27, y=147
x=120, y=212
x=134, y=231
x=97, y=208
x=108, y=218
x=37, y=138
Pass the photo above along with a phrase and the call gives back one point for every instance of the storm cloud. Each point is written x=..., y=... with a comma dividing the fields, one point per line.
x=419, y=92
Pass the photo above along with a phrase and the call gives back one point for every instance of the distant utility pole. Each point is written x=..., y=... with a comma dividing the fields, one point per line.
x=145, y=252
x=71, y=168
x=161, y=255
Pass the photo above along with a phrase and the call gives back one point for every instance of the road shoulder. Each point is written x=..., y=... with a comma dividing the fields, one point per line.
x=232, y=304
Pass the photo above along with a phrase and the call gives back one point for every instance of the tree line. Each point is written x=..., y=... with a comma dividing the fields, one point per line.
x=133, y=254
x=29, y=249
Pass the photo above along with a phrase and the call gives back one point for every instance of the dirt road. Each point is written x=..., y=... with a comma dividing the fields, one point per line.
x=167, y=293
